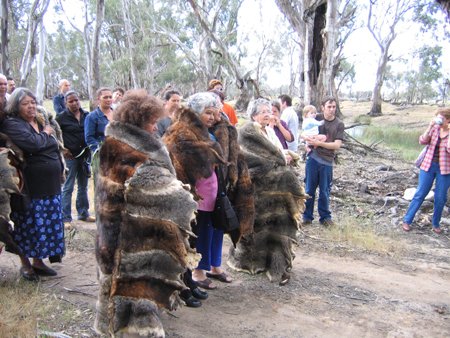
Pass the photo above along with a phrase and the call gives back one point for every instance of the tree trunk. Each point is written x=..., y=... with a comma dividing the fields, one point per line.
x=40, y=64
x=29, y=54
x=4, y=38
x=131, y=44
x=95, y=62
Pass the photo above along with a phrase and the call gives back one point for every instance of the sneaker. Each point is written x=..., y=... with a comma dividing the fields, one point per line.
x=328, y=223
x=89, y=219
x=67, y=225
x=305, y=223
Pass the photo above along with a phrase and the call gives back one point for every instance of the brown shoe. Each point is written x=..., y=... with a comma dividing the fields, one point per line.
x=406, y=226
x=89, y=219
x=305, y=223
x=328, y=223
x=67, y=225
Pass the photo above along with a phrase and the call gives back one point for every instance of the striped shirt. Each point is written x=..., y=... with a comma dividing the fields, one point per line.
x=444, y=152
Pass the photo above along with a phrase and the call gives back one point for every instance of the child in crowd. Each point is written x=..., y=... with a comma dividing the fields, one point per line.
x=310, y=126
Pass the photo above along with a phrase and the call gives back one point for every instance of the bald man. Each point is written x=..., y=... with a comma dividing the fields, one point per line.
x=3, y=88
x=58, y=101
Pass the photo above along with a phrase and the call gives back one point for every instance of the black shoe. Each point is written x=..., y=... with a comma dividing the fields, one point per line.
x=31, y=277
x=199, y=294
x=45, y=272
x=192, y=302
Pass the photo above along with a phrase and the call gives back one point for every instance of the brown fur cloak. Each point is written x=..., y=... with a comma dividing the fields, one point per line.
x=143, y=225
x=239, y=184
x=194, y=154
x=279, y=204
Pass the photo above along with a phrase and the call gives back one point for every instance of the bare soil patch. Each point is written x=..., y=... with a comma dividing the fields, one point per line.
x=337, y=289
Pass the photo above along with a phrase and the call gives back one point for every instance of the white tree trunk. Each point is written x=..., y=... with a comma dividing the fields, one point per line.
x=37, y=12
x=95, y=62
x=329, y=35
x=131, y=44
x=4, y=38
x=40, y=64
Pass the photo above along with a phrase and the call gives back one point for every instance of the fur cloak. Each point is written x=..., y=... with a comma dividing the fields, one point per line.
x=194, y=154
x=239, y=184
x=279, y=204
x=143, y=225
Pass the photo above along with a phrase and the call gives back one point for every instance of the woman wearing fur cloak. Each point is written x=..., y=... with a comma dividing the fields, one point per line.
x=279, y=203
x=143, y=224
x=195, y=155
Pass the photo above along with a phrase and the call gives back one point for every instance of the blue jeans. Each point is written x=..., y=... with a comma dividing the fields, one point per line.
x=426, y=179
x=209, y=244
x=82, y=204
x=318, y=175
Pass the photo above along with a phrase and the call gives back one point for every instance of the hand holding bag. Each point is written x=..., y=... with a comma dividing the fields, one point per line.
x=224, y=216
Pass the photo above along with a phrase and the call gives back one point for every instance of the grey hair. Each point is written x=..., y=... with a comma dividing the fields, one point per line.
x=70, y=92
x=200, y=101
x=3, y=77
x=13, y=105
x=255, y=105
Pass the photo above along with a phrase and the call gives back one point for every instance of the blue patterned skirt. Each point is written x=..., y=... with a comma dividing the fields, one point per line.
x=40, y=231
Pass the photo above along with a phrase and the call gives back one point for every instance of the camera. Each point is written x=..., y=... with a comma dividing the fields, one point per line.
x=438, y=120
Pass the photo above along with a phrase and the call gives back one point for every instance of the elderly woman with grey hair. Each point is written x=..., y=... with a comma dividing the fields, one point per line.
x=259, y=112
x=195, y=154
x=39, y=230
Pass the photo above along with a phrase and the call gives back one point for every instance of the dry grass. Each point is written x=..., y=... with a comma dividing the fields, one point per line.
x=23, y=308
x=358, y=234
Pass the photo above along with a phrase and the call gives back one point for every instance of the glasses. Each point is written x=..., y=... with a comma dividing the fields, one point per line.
x=264, y=112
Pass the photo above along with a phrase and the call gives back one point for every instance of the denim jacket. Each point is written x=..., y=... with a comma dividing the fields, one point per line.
x=94, y=129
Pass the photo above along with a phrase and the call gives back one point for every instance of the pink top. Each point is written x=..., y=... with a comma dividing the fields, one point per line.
x=207, y=188
x=444, y=152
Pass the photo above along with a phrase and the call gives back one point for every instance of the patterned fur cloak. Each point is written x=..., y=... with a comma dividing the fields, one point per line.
x=239, y=184
x=194, y=154
x=279, y=204
x=143, y=225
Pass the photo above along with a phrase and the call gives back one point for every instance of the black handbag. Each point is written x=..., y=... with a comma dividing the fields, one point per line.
x=224, y=216
x=22, y=202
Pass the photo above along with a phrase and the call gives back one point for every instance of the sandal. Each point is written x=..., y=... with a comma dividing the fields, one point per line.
x=437, y=230
x=223, y=277
x=205, y=284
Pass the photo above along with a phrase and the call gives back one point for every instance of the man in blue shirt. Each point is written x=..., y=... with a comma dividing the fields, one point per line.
x=290, y=116
x=58, y=101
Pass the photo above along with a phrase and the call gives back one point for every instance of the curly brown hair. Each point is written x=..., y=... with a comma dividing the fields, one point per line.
x=139, y=108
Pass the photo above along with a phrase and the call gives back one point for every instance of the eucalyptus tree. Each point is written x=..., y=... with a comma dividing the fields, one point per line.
x=317, y=24
x=35, y=16
x=4, y=42
x=93, y=21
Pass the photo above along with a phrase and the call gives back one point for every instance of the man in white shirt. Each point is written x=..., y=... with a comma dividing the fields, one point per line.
x=290, y=116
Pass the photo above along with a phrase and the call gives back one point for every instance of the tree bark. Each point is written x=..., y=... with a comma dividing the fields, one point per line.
x=95, y=62
x=37, y=12
x=40, y=64
x=131, y=44
x=4, y=38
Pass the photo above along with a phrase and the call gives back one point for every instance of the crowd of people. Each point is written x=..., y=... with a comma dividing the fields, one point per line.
x=158, y=167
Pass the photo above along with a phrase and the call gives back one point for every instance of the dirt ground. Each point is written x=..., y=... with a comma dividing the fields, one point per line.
x=335, y=290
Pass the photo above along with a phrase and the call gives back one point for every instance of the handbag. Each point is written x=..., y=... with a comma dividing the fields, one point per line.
x=224, y=216
x=21, y=202
x=421, y=157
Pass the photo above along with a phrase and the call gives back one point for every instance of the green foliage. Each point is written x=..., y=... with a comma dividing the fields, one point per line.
x=362, y=119
x=405, y=140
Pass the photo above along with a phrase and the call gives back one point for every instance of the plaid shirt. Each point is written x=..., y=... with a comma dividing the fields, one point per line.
x=444, y=152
